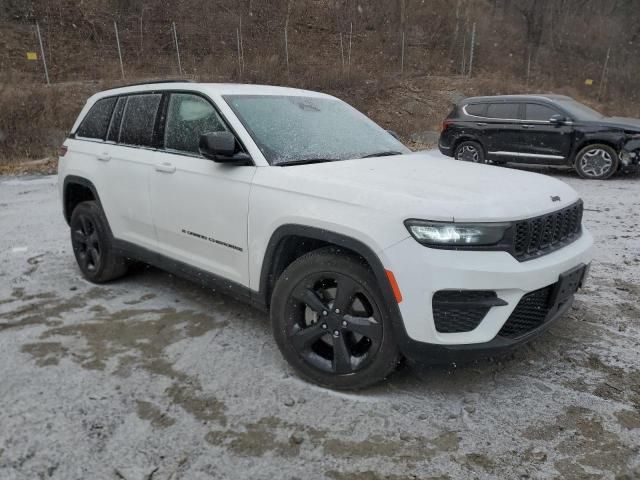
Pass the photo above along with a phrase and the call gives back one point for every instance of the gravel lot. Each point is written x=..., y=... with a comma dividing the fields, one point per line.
x=153, y=377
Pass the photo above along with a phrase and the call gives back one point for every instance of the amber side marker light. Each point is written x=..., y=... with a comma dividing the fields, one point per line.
x=394, y=285
x=62, y=151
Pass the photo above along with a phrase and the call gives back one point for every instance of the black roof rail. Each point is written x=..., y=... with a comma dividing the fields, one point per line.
x=153, y=82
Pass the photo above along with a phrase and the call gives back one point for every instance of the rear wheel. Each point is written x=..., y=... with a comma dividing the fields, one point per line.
x=92, y=245
x=330, y=321
x=469, y=151
x=596, y=162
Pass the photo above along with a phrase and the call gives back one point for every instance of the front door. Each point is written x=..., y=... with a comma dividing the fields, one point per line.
x=199, y=207
x=543, y=141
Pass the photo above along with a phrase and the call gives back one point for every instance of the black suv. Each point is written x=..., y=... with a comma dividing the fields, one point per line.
x=541, y=129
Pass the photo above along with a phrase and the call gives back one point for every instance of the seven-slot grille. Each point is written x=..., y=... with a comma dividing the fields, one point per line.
x=542, y=235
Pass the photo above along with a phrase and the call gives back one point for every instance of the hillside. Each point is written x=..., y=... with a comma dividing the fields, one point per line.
x=353, y=50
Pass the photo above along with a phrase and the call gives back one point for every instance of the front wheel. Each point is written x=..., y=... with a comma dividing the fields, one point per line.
x=469, y=151
x=331, y=323
x=597, y=162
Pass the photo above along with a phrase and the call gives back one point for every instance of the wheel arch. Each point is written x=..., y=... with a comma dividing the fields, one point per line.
x=468, y=138
x=317, y=237
x=289, y=242
x=616, y=146
x=76, y=190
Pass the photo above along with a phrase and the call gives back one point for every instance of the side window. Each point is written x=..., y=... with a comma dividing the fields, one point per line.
x=539, y=112
x=114, y=127
x=188, y=117
x=139, y=119
x=476, y=109
x=503, y=110
x=96, y=121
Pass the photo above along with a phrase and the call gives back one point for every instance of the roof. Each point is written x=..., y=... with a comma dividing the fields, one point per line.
x=211, y=89
x=506, y=98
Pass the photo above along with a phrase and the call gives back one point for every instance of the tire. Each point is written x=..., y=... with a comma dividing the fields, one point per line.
x=93, y=246
x=596, y=162
x=469, y=151
x=345, y=349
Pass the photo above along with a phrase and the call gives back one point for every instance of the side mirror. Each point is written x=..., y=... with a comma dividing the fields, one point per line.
x=558, y=119
x=221, y=147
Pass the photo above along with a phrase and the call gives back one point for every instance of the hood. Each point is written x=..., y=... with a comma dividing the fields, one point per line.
x=620, y=122
x=430, y=186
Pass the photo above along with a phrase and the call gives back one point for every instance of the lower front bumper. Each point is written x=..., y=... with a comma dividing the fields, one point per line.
x=435, y=354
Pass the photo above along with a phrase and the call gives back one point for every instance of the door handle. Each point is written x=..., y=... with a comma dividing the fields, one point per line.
x=105, y=157
x=165, y=167
x=528, y=126
x=481, y=124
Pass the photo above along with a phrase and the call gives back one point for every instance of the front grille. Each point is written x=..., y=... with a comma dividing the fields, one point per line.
x=456, y=311
x=529, y=314
x=541, y=235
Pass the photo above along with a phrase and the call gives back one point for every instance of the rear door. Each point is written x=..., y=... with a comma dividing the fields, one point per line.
x=543, y=141
x=502, y=130
x=200, y=207
x=127, y=161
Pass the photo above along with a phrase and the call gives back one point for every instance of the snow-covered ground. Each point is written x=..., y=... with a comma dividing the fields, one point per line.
x=153, y=377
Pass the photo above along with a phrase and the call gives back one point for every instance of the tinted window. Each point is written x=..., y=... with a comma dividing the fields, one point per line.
x=502, y=110
x=139, y=119
x=114, y=126
x=475, y=109
x=96, y=122
x=188, y=117
x=539, y=112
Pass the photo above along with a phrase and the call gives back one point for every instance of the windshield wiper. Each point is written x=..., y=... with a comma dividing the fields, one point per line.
x=305, y=161
x=387, y=153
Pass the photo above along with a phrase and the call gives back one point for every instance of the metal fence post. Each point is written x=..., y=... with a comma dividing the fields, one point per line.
x=175, y=38
x=473, y=43
x=239, y=61
x=115, y=27
x=44, y=61
x=241, y=46
x=603, y=77
x=350, y=36
x=341, y=51
x=286, y=48
x=402, y=55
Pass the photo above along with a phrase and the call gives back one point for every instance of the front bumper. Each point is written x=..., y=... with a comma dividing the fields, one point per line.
x=421, y=272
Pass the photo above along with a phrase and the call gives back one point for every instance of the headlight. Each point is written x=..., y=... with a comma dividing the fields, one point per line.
x=442, y=234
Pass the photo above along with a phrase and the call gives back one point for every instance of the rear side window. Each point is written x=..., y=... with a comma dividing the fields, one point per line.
x=95, y=123
x=188, y=117
x=534, y=111
x=139, y=119
x=116, y=119
x=476, y=109
x=503, y=110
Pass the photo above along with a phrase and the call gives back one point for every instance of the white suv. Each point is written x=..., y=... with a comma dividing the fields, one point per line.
x=362, y=251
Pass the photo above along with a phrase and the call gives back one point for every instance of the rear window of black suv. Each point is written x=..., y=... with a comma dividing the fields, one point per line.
x=97, y=120
x=504, y=111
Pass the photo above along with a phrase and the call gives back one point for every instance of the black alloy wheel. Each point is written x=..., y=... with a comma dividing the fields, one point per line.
x=331, y=322
x=86, y=243
x=92, y=244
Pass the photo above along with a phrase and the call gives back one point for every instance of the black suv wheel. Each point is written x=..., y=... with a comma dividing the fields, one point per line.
x=596, y=161
x=469, y=151
x=92, y=244
x=330, y=321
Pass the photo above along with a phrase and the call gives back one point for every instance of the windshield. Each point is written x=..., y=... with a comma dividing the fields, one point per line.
x=579, y=111
x=298, y=129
